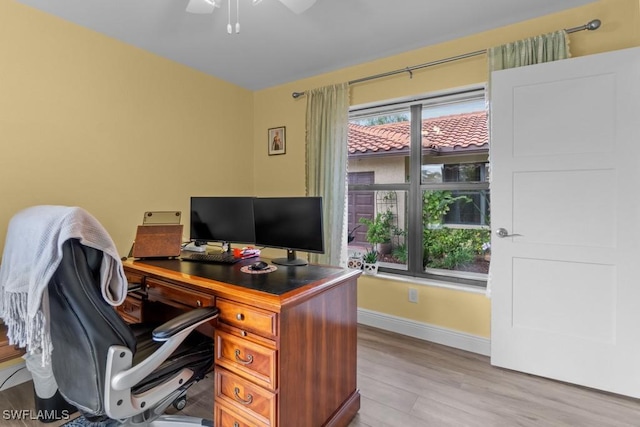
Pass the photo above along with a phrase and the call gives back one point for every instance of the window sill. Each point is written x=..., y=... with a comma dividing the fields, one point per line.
x=431, y=282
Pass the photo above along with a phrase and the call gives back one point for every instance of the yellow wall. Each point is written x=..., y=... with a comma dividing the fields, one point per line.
x=89, y=121
x=447, y=308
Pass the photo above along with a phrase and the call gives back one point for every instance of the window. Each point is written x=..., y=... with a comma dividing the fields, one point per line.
x=419, y=186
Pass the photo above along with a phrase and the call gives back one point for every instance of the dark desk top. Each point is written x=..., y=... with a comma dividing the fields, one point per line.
x=277, y=282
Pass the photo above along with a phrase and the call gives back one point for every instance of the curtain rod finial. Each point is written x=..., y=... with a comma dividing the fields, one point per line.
x=594, y=24
x=297, y=95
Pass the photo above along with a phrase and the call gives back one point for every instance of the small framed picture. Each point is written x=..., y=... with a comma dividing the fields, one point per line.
x=277, y=143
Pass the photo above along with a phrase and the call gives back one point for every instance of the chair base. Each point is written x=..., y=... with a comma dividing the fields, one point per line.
x=178, y=421
x=170, y=421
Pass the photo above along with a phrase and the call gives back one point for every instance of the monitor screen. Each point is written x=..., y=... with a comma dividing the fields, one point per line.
x=291, y=223
x=222, y=219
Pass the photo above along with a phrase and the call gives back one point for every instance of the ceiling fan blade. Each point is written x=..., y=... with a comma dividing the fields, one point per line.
x=298, y=6
x=202, y=6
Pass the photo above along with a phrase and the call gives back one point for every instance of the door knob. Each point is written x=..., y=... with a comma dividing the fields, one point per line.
x=502, y=233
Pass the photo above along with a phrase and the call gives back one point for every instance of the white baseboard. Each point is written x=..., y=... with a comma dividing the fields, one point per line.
x=425, y=331
x=18, y=374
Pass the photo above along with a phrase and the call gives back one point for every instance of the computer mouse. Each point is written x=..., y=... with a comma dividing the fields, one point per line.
x=260, y=265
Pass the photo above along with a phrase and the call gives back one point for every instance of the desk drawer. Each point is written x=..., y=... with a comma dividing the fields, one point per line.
x=131, y=309
x=246, y=397
x=247, y=318
x=227, y=417
x=246, y=358
x=168, y=293
x=133, y=278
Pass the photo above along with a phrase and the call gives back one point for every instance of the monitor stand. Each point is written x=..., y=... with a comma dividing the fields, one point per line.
x=227, y=249
x=290, y=259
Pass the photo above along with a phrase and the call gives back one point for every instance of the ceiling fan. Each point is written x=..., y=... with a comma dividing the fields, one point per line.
x=207, y=6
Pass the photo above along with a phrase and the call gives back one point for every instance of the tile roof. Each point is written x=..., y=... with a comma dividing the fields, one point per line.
x=447, y=133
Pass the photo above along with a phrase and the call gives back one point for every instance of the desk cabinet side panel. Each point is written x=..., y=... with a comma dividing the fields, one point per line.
x=7, y=351
x=318, y=357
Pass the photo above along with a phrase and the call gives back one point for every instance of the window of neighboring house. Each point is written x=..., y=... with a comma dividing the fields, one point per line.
x=419, y=176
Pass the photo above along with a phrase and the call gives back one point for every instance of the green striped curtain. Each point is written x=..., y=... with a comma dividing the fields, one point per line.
x=326, y=165
x=534, y=50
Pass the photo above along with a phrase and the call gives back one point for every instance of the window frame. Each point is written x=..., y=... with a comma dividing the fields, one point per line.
x=415, y=188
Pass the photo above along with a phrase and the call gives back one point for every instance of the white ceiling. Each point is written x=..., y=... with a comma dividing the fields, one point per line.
x=276, y=46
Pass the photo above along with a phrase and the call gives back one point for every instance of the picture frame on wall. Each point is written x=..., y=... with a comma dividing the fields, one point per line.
x=276, y=143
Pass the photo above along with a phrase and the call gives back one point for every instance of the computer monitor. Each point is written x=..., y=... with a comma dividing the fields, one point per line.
x=291, y=223
x=222, y=219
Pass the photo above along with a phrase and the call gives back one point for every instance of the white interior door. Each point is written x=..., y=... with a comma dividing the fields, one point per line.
x=565, y=283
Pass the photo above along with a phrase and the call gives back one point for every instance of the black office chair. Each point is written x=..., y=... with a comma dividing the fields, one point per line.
x=111, y=370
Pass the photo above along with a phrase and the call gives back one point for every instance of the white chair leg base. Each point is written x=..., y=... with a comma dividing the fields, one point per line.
x=179, y=421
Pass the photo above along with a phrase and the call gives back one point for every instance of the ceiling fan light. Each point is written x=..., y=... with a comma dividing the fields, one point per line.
x=202, y=6
x=298, y=6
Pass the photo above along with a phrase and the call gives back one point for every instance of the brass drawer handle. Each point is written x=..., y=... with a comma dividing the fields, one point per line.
x=236, y=393
x=240, y=316
x=247, y=361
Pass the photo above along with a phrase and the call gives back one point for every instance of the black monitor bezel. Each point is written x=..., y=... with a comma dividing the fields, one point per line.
x=231, y=237
x=291, y=259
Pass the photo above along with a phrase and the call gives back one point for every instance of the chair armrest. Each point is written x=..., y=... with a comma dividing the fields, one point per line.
x=183, y=321
x=119, y=369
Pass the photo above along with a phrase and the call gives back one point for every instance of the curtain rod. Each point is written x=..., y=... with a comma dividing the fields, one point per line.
x=591, y=26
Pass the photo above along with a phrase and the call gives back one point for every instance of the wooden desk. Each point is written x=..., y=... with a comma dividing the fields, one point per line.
x=285, y=341
x=7, y=351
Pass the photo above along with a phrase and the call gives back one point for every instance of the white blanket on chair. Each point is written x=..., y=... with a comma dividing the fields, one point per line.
x=32, y=253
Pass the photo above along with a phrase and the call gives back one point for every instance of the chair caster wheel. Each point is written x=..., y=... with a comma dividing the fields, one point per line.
x=180, y=403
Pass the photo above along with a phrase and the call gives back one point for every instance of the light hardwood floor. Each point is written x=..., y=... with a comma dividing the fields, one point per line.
x=406, y=382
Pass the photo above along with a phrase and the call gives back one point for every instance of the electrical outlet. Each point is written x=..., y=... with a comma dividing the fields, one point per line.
x=413, y=295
